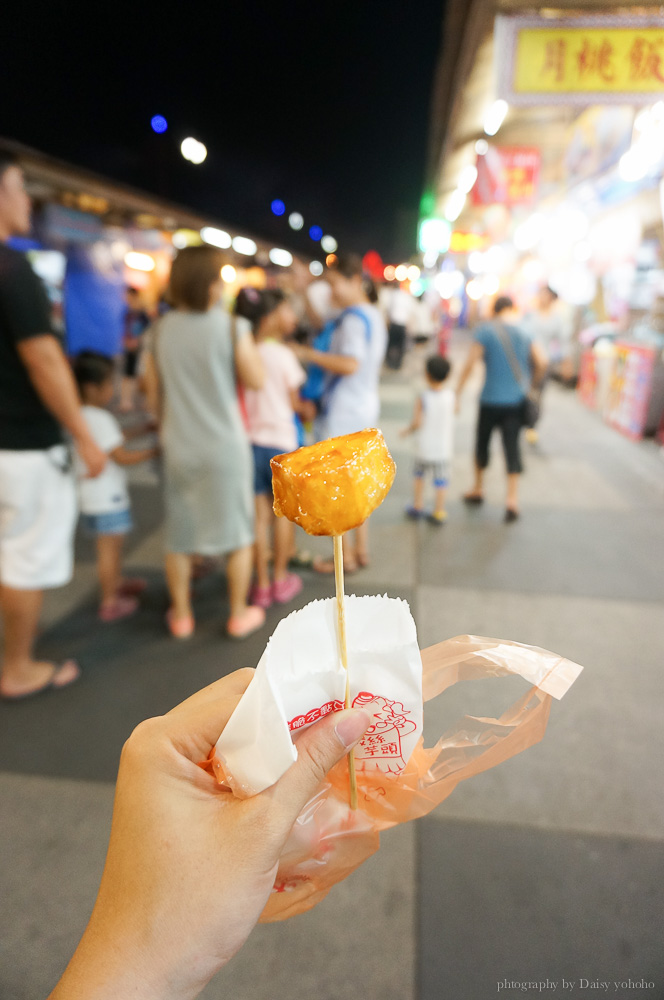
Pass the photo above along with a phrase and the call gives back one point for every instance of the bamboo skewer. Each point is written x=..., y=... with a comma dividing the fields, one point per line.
x=343, y=651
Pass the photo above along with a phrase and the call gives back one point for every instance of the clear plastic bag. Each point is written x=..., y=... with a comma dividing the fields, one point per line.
x=329, y=840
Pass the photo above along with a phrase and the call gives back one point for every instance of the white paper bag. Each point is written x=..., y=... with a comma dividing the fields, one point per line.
x=300, y=679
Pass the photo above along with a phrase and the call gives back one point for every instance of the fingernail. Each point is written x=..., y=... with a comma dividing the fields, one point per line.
x=352, y=726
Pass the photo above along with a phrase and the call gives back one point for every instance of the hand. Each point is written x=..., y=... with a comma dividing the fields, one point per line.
x=189, y=866
x=404, y=432
x=91, y=455
x=307, y=410
x=457, y=404
x=301, y=351
x=566, y=369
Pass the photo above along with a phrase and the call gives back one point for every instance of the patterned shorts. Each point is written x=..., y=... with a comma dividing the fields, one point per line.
x=440, y=471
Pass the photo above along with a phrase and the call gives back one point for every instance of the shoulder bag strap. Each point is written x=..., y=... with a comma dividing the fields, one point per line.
x=518, y=372
x=356, y=311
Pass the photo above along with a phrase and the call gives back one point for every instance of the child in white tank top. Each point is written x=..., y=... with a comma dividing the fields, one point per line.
x=433, y=420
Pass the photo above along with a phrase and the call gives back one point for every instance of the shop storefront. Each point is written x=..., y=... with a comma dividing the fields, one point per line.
x=93, y=238
x=550, y=155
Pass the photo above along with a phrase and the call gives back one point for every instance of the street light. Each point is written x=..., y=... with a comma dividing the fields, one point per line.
x=495, y=116
x=329, y=244
x=193, y=150
x=139, y=261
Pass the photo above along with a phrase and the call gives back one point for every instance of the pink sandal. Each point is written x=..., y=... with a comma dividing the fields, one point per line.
x=285, y=590
x=122, y=607
x=261, y=596
x=240, y=626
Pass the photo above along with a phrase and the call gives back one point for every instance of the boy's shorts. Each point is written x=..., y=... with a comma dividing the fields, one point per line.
x=262, y=468
x=116, y=522
x=37, y=518
x=440, y=471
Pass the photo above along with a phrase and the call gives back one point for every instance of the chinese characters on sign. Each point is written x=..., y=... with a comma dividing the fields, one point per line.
x=506, y=176
x=591, y=58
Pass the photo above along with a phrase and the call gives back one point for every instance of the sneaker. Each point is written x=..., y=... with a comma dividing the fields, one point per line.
x=414, y=513
x=240, y=626
x=437, y=517
x=121, y=607
x=261, y=596
x=180, y=628
x=285, y=590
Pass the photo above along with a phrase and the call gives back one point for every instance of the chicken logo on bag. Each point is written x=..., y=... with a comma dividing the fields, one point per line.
x=380, y=747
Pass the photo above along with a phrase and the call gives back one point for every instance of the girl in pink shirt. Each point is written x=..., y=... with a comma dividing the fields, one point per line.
x=271, y=416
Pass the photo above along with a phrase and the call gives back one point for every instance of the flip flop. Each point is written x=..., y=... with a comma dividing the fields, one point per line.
x=64, y=675
x=241, y=626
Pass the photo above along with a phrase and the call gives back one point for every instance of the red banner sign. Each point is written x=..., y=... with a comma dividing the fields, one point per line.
x=507, y=176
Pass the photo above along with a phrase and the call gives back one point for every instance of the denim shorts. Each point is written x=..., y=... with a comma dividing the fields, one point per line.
x=262, y=469
x=116, y=522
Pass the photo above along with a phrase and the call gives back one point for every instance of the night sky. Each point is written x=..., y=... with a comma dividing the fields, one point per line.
x=323, y=105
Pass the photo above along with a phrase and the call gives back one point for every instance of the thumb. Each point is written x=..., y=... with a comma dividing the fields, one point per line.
x=318, y=750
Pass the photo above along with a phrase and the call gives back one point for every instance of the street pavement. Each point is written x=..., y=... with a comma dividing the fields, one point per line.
x=548, y=867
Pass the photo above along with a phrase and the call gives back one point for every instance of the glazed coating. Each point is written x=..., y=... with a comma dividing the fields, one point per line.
x=333, y=486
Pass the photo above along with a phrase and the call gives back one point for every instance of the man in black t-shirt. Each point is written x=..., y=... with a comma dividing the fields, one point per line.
x=38, y=399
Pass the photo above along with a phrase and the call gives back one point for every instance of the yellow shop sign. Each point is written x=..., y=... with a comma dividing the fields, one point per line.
x=584, y=60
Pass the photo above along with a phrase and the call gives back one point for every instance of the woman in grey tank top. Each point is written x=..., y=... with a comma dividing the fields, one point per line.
x=194, y=354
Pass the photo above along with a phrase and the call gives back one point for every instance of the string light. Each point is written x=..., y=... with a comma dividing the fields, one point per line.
x=243, y=245
x=216, y=237
x=159, y=124
x=281, y=257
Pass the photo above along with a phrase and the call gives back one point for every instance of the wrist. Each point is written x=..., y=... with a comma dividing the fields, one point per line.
x=114, y=965
x=81, y=435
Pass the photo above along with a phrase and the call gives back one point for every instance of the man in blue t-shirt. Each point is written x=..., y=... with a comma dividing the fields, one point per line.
x=512, y=364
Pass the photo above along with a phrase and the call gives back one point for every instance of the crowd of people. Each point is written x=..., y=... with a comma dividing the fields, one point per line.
x=224, y=387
